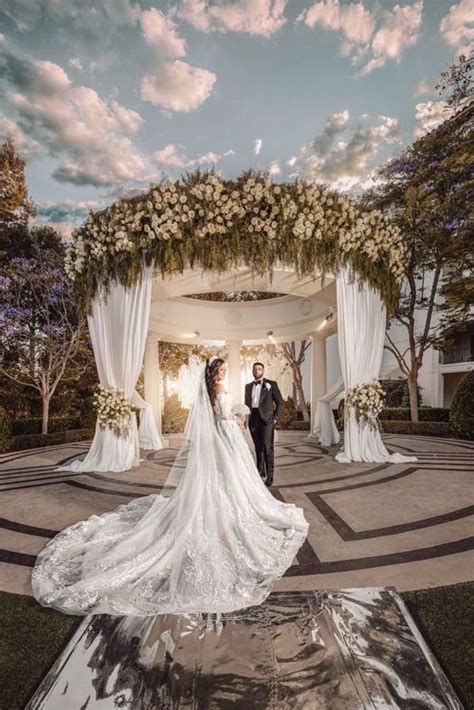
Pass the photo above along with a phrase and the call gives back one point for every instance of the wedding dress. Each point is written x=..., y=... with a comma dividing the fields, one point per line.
x=214, y=539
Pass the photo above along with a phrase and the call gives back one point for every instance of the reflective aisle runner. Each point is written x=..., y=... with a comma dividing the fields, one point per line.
x=328, y=650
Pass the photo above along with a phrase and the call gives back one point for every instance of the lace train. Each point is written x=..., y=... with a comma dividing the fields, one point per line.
x=216, y=545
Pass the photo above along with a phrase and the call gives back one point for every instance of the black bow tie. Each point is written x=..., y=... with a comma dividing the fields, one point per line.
x=258, y=382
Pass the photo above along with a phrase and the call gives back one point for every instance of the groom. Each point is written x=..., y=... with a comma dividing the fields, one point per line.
x=265, y=402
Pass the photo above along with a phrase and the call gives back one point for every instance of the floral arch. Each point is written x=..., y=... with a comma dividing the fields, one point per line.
x=205, y=222
x=216, y=224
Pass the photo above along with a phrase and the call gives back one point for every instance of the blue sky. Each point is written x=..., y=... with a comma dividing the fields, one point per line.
x=104, y=97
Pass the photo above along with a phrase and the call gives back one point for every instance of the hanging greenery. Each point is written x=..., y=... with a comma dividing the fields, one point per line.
x=207, y=222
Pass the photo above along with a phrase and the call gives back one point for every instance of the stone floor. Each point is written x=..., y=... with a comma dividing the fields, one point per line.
x=371, y=525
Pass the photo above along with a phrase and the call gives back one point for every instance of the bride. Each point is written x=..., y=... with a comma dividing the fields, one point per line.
x=214, y=539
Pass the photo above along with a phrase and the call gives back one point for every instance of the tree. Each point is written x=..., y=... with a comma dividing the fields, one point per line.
x=428, y=191
x=172, y=356
x=40, y=331
x=15, y=205
x=457, y=79
x=250, y=353
x=288, y=352
x=458, y=285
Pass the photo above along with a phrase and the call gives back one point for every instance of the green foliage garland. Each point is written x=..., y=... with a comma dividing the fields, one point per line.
x=215, y=224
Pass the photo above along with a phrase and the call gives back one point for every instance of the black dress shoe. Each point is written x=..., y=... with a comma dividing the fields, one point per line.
x=269, y=482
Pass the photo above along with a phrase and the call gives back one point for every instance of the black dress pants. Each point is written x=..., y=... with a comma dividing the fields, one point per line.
x=263, y=437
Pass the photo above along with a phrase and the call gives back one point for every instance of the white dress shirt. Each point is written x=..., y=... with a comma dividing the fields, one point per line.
x=256, y=391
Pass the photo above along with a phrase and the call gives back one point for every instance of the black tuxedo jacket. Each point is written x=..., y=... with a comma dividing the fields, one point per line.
x=271, y=402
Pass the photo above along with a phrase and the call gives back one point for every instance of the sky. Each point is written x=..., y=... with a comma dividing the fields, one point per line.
x=104, y=97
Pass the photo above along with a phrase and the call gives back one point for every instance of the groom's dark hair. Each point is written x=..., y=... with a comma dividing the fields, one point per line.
x=258, y=363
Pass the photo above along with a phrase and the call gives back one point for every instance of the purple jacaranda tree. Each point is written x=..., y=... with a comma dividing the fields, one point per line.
x=40, y=331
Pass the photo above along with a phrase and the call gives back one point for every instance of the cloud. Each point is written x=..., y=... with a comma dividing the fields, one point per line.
x=352, y=21
x=361, y=39
x=174, y=156
x=178, y=86
x=255, y=17
x=83, y=20
x=160, y=32
x=75, y=63
x=424, y=88
x=343, y=154
x=274, y=168
x=257, y=146
x=89, y=135
x=24, y=144
x=457, y=28
x=430, y=114
x=67, y=210
x=400, y=29
x=64, y=216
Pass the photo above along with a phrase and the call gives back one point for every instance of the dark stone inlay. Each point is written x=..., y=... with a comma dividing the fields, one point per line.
x=426, y=553
x=26, y=529
x=56, y=482
x=348, y=477
x=127, y=484
x=17, y=558
x=458, y=443
x=365, y=484
x=390, y=559
x=109, y=491
x=36, y=482
x=348, y=534
x=44, y=449
x=24, y=470
x=27, y=477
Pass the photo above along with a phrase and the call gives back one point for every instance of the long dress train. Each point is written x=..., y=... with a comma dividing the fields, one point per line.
x=217, y=543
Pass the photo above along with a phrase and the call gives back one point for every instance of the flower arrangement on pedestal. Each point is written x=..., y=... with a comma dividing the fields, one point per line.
x=204, y=220
x=367, y=400
x=114, y=410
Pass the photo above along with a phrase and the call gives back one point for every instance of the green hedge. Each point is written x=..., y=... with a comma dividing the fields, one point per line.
x=462, y=407
x=397, y=393
x=32, y=425
x=298, y=425
x=33, y=441
x=442, y=429
x=5, y=431
x=425, y=414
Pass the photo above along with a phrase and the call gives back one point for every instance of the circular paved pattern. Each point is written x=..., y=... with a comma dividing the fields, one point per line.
x=403, y=525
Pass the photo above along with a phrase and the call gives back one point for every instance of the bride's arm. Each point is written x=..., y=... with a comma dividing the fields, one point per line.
x=224, y=405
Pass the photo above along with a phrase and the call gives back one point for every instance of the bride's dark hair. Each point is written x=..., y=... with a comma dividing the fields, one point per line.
x=211, y=382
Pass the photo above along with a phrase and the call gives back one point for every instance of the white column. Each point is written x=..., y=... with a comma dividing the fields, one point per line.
x=151, y=377
x=318, y=374
x=235, y=385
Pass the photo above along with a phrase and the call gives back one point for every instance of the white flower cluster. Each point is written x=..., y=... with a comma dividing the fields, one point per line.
x=114, y=410
x=206, y=205
x=372, y=234
x=367, y=400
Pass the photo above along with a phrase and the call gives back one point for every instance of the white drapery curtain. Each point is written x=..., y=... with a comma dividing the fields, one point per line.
x=118, y=326
x=324, y=428
x=148, y=434
x=361, y=333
